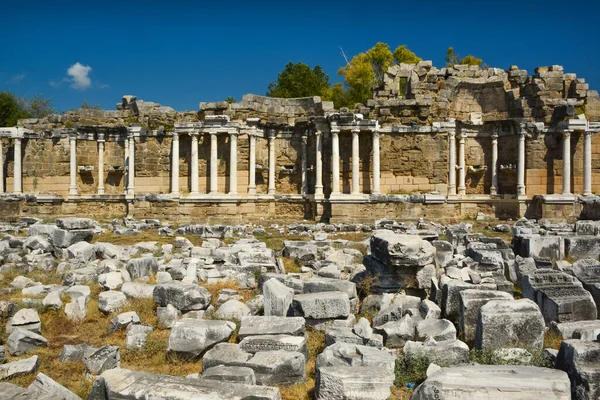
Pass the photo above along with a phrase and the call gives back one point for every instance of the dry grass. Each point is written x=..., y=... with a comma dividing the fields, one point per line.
x=292, y=266
x=401, y=393
x=552, y=340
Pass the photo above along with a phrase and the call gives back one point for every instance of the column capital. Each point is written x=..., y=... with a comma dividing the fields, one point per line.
x=355, y=130
x=335, y=132
x=304, y=139
x=376, y=133
x=175, y=136
x=194, y=134
x=462, y=136
x=318, y=133
x=587, y=133
x=494, y=136
x=101, y=137
x=566, y=134
x=451, y=133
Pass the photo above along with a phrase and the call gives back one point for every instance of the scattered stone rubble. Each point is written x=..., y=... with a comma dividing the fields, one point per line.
x=437, y=294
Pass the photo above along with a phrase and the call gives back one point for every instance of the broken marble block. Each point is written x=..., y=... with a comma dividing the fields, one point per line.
x=142, y=267
x=585, y=330
x=111, y=301
x=230, y=374
x=353, y=382
x=105, y=358
x=581, y=361
x=438, y=329
x=271, y=325
x=19, y=367
x=324, y=305
x=127, y=384
x=190, y=338
x=25, y=318
x=341, y=334
x=182, y=296
x=278, y=298
x=504, y=323
x=136, y=336
x=560, y=296
x=495, y=382
x=397, y=333
x=444, y=353
x=123, y=320
x=44, y=387
x=22, y=341
x=588, y=272
x=471, y=301
x=352, y=355
x=278, y=367
x=254, y=344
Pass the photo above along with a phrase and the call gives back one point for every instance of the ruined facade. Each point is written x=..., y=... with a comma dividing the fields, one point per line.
x=432, y=142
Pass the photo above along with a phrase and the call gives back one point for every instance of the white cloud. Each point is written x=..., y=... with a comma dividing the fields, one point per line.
x=104, y=86
x=54, y=84
x=15, y=80
x=79, y=76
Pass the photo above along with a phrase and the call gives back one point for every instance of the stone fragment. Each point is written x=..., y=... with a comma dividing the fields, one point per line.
x=451, y=296
x=127, y=384
x=584, y=330
x=398, y=307
x=445, y=352
x=190, y=338
x=142, y=267
x=277, y=298
x=345, y=354
x=75, y=352
x=363, y=329
x=504, y=323
x=22, y=341
x=105, y=358
x=122, y=321
x=81, y=251
x=317, y=285
x=182, y=296
x=401, y=250
x=25, y=318
x=136, y=336
x=254, y=344
x=340, y=334
x=72, y=223
x=111, y=301
x=230, y=374
x=345, y=382
x=264, y=325
x=588, y=272
x=429, y=309
x=495, y=382
x=581, y=361
x=471, y=301
x=511, y=356
x=232, y=310
x=111, y=280
x=228, y=354
x=167, y=316
x=138, y=290
x=325, y=305
x=47, y=388
x=278, y=367
x=19, y=367
x=438, y=329
x=397, y=333
x=52, y=301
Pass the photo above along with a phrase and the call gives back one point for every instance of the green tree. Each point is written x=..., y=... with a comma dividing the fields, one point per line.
x=453, y=58
x=337, y=94
x=359, y=79
x=402, y=55
x=13, y=108
x=381, y=59
x=230, y=99
x=299, y=80
x=87, y=106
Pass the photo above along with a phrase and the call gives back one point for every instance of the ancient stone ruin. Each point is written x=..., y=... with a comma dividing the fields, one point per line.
x=441, y=241
x=434, y=142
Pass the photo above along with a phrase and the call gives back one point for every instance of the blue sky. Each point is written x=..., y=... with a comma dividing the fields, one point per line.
x=178, y=53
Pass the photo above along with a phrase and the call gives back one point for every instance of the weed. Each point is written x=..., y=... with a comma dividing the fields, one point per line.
x=410, y=371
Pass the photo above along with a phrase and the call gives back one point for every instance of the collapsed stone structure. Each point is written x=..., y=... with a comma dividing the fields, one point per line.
x=432, y=142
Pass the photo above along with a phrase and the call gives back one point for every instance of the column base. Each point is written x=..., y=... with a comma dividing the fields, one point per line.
x=252, y=191
x=100, y=191
x=175, y=195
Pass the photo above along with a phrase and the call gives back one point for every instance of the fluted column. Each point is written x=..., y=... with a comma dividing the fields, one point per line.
x=214, y=167
x=100, y=189
x=17, y=181
x=131, y=175
x=233, y=163
x=126, y=166
x=319, y=164
x=175, y=165
x=252, y=161
x=2, y=188
x=355, y=162
x=73, y=166
x=376, y=163
x=335, y=161
x=194, y=164
x=587, y=163
x=521, y=165
x=462, y=189
x=566, y=183
x=304, y=166
x=452, y=162
x=272, y=162
x=494, y=188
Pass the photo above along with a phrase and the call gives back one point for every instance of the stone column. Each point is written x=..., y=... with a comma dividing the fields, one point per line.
x=462, y=189
x=521, y=165
x=214, y=167
x=131, y=174
x=2, y=188
x=194, y=164
x=304, y=165
x=233, y=163
x=587, y=163
x=319, y=164
x=73, y=166
x=175, y=165
x=566, y=183
x=126, y=167
x=17, y=184
x=355, y=162
x=376, y=163
x=494, y=188
x=335, y=161
x=272, y=162
x=100, y=189
x=252, y=160
x=452, y=162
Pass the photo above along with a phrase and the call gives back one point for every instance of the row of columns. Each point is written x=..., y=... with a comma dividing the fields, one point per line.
x=335, y=163
x=566, y=148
